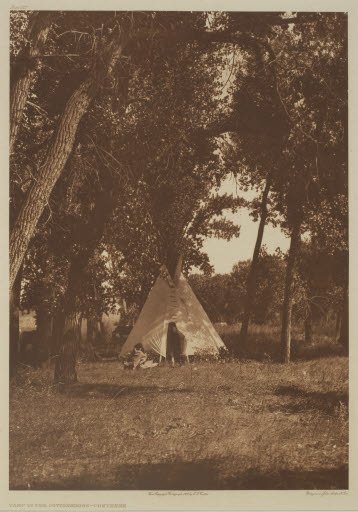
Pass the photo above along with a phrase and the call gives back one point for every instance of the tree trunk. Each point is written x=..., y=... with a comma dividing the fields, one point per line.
x=87, y=342
x=56, y=158
x=288, y=295
x=58, y=326
x=178, y=269
x=25, y=70
x=49, y=173
x=251, y=280
x=308, y=328
x=65, y=368
x=87, y=236
x=14, y=333
x=68, y=339
x=174, y=263
x=91, y=330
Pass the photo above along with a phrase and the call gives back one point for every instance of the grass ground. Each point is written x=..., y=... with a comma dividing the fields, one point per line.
x=262, y=343
x=233, y=425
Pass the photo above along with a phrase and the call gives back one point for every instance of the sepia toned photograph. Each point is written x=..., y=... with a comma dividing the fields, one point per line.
x=178, y=250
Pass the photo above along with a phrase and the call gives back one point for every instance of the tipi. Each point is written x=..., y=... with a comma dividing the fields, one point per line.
x=173, y=301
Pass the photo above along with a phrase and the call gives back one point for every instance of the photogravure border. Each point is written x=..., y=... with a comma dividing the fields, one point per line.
x=178, y=500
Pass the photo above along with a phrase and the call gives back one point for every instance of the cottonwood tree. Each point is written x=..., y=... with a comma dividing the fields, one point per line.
x=176, y=171
x=59, y=258
x=254, y=118
x=123, y=151
x=321, y=271
x=102, y=52
x=215, y=293
x=102, y=41
x=223, y=295
x=298, y=57
x=29, y=33
x=178, y=159
x=301, y=55
x=178, y=90
x=329, y=233
x=254, y=155
x=311, y=80
x=94, y=69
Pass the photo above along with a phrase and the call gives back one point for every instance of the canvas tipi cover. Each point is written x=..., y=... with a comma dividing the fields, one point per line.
x=169, y=302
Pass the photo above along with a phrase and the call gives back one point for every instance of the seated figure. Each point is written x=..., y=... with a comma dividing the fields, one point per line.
x=139, y=357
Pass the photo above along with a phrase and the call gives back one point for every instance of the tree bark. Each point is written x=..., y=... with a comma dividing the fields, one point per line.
x=65, y=367
x=49, y=172
x=174, y=262
x=88, y=237
x=288, y=294
x=28, y=64
x=251, y=280
x=68, y=335
x=56, y=158
x=58, y=326
x=178, y=269
x=308, y=328
x=91, y=330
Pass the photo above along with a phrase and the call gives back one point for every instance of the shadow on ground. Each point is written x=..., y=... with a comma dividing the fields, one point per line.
x=302, y=400
x=199, y=475
x=104, y=390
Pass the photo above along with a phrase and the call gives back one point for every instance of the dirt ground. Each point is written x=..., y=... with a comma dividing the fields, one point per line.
x=206, y=426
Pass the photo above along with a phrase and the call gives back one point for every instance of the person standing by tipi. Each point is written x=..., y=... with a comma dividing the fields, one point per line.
x=176, y=345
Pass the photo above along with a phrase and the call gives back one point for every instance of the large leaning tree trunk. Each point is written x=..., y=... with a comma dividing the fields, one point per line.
x=288, y=293
x=49, y=173
x=251, y=280
x=23, y=73
x=56, y=158
x=87, y=237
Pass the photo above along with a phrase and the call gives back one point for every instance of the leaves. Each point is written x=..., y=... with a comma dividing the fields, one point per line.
x=255, y=96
